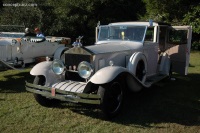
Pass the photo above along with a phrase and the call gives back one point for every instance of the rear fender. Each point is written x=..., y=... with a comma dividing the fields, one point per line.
x=44, y=68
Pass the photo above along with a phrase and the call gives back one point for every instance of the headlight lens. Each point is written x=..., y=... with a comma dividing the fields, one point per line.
x=58, y=66
x=85, y=69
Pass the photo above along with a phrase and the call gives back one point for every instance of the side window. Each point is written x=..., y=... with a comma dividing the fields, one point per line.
x=149, y=34
x=162, y=38
x=177, y=36
x=103, y=33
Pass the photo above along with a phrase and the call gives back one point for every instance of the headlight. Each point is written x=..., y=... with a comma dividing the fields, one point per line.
x=85, y=69
x=58, y=66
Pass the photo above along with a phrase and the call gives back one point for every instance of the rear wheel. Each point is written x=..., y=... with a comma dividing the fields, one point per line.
x=170, y=76
x=40, y=80
x=111, y=98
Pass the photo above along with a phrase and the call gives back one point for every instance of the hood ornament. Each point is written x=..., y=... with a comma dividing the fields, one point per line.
x=78, y=43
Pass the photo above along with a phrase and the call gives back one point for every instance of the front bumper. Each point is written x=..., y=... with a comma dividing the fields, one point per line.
x=63, y=95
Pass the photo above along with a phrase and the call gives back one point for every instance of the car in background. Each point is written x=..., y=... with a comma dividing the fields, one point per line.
x=17, y=50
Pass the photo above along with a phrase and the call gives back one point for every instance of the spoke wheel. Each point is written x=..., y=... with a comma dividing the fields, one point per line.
x=140, y=70
x=111, y=99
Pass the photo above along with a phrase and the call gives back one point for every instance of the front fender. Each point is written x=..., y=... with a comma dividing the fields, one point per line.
x=41, y=68
x=44, y=68
x=107, y=74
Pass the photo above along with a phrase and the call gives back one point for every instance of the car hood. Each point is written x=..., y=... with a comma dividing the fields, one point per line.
x=107, y=48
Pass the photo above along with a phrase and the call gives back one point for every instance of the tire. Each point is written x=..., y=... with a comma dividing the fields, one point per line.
x=140, y=71
x=170, y=72
x=46, y=102
x=138, y=65
x=111, y=98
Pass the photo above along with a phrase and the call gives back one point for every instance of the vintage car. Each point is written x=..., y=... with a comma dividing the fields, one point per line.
x=19, y=50
x=126, y=55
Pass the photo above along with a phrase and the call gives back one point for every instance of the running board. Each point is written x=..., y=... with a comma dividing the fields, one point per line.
x=153, y=79
x=3, y=63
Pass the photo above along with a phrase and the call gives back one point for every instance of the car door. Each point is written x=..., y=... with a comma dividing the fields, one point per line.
x=39, y=48
x=26, y=48
x=179, y=43
x=150, y=50
x=5, y=49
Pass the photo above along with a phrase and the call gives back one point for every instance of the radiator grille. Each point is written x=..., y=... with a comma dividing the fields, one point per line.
x=74, y=60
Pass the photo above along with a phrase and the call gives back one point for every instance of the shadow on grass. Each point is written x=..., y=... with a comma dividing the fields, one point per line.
x=165, y=102
x=15, y=83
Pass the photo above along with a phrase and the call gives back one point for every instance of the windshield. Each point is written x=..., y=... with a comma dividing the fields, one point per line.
x=121, y=32
x=7, y=35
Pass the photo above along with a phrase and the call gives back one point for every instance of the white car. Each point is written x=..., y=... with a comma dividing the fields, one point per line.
x=19, y=50
x=127, y=55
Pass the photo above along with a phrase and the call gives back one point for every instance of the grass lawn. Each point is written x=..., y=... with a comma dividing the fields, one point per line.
x=168, y=106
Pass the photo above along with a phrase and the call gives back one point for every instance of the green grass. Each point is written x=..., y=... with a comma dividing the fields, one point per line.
x=168, y=106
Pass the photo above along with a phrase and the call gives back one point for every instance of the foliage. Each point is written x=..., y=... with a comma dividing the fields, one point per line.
x=193, y=18
x=22, y=15
x=72, y=18
x=171, y=11
x=196, y=45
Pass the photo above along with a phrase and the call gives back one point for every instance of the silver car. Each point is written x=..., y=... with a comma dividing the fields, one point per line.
x=126, y=55
x=16, y=50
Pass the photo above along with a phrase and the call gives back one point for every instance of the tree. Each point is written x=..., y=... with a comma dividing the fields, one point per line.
x=193, y=18
x=20, y=15
x=171, y=11
x=175, y=12
x=72, y=18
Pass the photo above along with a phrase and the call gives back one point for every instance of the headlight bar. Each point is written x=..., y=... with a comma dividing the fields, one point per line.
x=58, y=66
x=85, y=69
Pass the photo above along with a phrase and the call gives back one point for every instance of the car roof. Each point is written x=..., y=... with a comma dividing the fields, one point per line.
x=140, y=23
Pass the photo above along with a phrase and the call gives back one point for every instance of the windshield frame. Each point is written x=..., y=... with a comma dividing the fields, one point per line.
x=11, y=35
x=110, y=37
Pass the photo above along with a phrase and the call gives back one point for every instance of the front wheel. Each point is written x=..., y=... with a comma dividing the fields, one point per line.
x=111, y=98
x=140, y=71
x=40, y=80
